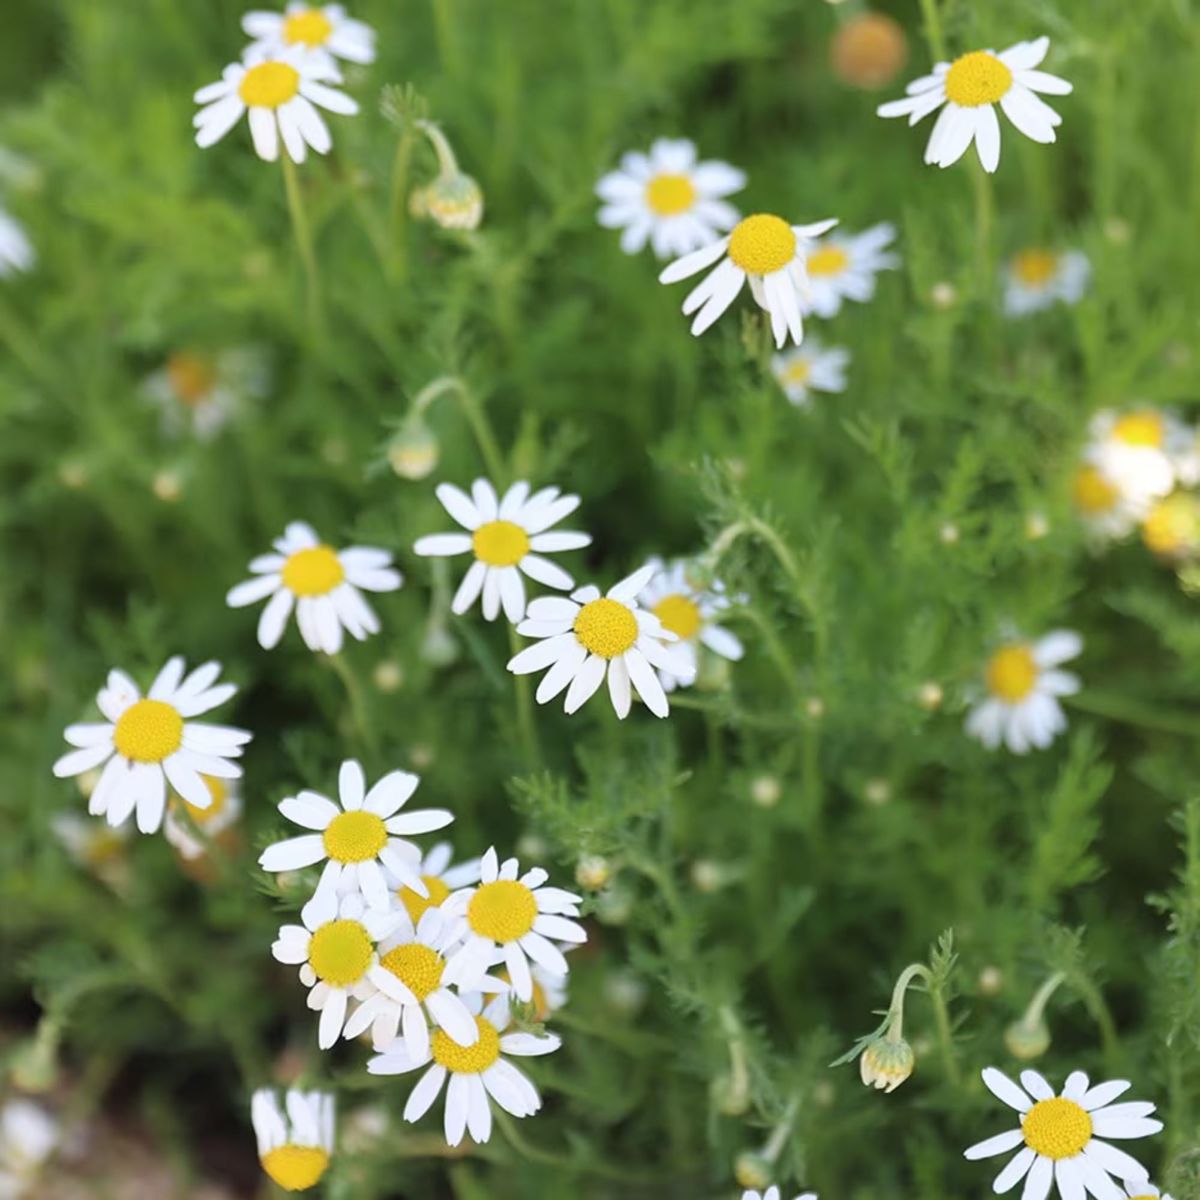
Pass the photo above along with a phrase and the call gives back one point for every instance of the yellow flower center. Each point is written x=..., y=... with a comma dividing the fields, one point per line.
x=1057, y=1128
x=416, y=966
x=500, y=543
x=828, y=260
x=606, y=627
x=295, y=1168
x=415, y=904
x=309, y=27
x=503, y=911
x=977, y=78
x=191, y=377
x=148, y=731
x=1011, y=673
x=340, y=952
x=218, y=789
x=467, y=1060
x=1035, y=268
x=1093, y=493
x=1173, y=525
x=669, y=195
x=797, y=371
x=762, y=244
x=354, y=837
x=538, y=1001
x=680, y=615
x=312, y=572
x=269, y=85
x=1140, y=429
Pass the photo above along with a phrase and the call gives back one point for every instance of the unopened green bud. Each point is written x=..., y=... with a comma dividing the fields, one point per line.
x=1027, y=1039
x=886, y=1064
x=454, y=201
x=752, y=1171
x=729, y=1096
x=413, y=451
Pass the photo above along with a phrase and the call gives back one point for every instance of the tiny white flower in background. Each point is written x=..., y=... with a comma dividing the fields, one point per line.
x=1145, y=452
x=358, y=838
x=1108, y=512
x=1023, y=684
x=325, y=31
x=478, y=1074
x=1143, y=1189
x=295, y=1142
x=507, y=537
x=91, y=843
x=969, y=88
x=437, y=874
x=516, y=917
x=16, y=250
x=200, y=392
x=668, y=198
x=810, y=368
x=281, y=92
x=321, y=583
x=843, y=266
x=772, y=1193
x=764, y=249
x=1062, y=1136
x=590, y=636
x=29, y=1136
x=220, y=815
x=1037, y=279
x=148, y=742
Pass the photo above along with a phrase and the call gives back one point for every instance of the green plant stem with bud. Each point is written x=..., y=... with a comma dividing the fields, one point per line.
x=304, y=243
x=358, y=703
x=941, y=1015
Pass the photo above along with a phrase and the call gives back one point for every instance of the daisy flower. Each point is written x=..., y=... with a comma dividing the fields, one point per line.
x=359, y=837
x=772, y=1193
x=478, y=1074
x=95, y=845
x=281, y=92
x=437, y=874
x=16, y=251
x=29, y=1137
x=810, y=368
x=222, y=814
x=668, y=198
x=1061, y=1136
x=335, y=949
x=511, y=917
x=322, y=584
x=764, y=249
x=1023, y=684
x=323, y=30
x=689, y=610
x=199, y=392
x=1036, y=279
x=969, y=89
x=589, y=636
x=507, y=538
x=1171, y=529
x=295, y=1142
x=148, y=742
x=843, y=266
x=1143, y=1189
x=1145, y=452
x=1107, y=512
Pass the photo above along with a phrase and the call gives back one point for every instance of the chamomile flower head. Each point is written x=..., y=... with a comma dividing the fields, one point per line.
x=1022, y=684
x=436, y=872
x=149, y=741
x=843, y=266
x=767, y=251
x=92, y=844
x=478, y=1074
x=198, y=392
x=588, y=637
x=1171, y=529
x=335, y=949
x=510, y=918
x=1036, y=279
x=690, y=609
x=295, y=1139
x=16, y=250
x=1143, y=1189
x=507, y=537
x=968, y=90
x=281, y=92
x=324, y=31
x=1145, y=452
x=324, y=586
x=669, y=199
x=358, y=836
x=1107, y=511
x=803, y=370
x=1063, y=1138
x=221, y=815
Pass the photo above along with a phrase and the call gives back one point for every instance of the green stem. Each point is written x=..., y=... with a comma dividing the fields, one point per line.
x=1037, y=1006
x=488, y=446
x=933, y=30
x=1118, y=708
x=304, y=242
x=1097, y=1006
x=739, y=1070
x=525, y=726
x=358, y=703
x=941, y=1015
x=981, y=186
x=781, y=1132
x=398, y=202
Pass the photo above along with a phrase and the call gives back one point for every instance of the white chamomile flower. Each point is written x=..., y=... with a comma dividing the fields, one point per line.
x=589, y=636
x=281, y=92
x=335, y=949
x=295, y=1141
x=764, y=249
x=359, y=837
x=1023, y=684
x=95, y=845
x=29, y=1136
x=1145, y=452
x=478, y=1074
x=511, y=917
x=436, y=872
x=772, y=1193
x=222, y=814
x=1108, y=512
x=507, y=538
x=668, y=198
x=148, y=742
x=969, y=88
x=810, y=368
x=690, y=610
x=198, y=392
x=1143, y=1189
x=1036, y=279
x=324, y=585
x=16, y=250
x=325, y=31
x=843, y=266
x=1061, y=1136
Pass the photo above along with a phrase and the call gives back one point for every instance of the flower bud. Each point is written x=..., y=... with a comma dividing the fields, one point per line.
x=766, y=791
x=439, y=648
x=413, y=451
x=592, y=872
x=388, y=676
x=930, y=695
x=454, y=201
x=1027, y=1039
x=868, y=51
x=752, y=1171
x=730, y=1097
x=886, y=1064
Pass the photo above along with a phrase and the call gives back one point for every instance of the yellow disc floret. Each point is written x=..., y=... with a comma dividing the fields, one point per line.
x=827, y=260
x=503, y=911
x=977, y=78
x=467, y=1060
x=309, y=27
x=269, y=85
x=353, y=837
x=762, y=244
x=1057, y=1128
x=670, y=195
x=340, y=952
x=415, y=904
x=313, y=572
x=679, y=615
x=1145, y=428
x=1172, y=526
x=148, y=731
x=191, y=377
x=500, y=543
x=218, y=789
x=1035, y=268
x=416, y=966
x=295, y=1168
x=1092, y=492
x=1012, y=673
x=606, y=627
